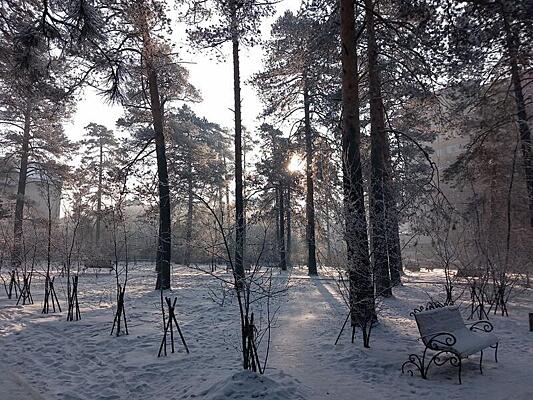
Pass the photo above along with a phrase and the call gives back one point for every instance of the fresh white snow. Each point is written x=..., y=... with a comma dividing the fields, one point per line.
x=46, y=357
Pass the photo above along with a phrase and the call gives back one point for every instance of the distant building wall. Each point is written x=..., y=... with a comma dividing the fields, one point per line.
x=36, y=197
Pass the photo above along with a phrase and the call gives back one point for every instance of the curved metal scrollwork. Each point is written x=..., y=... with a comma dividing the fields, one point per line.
x=417, y=363
x=483, y=326
x=452, y=358
x=439, y=341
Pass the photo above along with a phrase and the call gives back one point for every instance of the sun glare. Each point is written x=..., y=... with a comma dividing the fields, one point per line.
x=295, y=164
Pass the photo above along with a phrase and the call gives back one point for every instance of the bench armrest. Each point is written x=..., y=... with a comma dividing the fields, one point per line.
x=482, y=325
x=435, y=341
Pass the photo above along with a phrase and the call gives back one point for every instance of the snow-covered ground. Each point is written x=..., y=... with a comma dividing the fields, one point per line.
x=46, y=357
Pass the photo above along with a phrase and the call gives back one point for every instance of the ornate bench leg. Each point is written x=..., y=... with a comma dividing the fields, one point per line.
x=460, y=364
x=495, y=347
x=480, y=362
x=415, y=362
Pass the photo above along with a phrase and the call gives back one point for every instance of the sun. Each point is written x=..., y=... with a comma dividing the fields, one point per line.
x=295, y=164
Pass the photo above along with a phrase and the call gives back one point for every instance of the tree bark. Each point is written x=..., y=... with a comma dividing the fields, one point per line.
x=289, y=227
x=379, y=172
x=190, y=211
x=99, y=194
x=49, y=231
x=394, y=247
x=513, y=44
x=239, y=198
x=16, y=255
x=164, y=240
x=281, y=237
x=328, y=228
x=359, y=269
x=309, y=196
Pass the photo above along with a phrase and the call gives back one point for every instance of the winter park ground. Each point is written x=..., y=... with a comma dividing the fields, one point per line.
x=46, y=357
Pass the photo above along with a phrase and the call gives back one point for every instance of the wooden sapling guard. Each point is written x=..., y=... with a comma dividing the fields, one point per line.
x=477, y=302
x=50, y=295
x=252, y=358
x=121, y=313
x=73, y=306
x=25, y=292
x=169, y=326
x=13, y=284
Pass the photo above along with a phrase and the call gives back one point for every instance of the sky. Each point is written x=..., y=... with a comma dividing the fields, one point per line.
x=214, y=79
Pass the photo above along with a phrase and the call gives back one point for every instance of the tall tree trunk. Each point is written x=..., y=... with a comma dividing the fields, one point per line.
x=379, y=178
x=328, y=229
x=278, y=219
x=360, y=278
x=394, y=247
x=190, y=211
x=513, y=44
x=309, y=196
x=239, y=198
x=281, y=237
x=164, y=244
x=289, y=227
x=49, y=231
x=99, y=194
x=16, y=255
x=190, y=206
x=226, y=195
x=164, y=240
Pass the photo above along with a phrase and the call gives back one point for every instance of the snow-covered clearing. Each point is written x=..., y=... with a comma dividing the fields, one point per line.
x=46, y=357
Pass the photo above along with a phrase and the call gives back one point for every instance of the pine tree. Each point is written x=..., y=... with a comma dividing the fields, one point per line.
x=379, y=170
x=34, y=101
x=359, y=270
x=141, y=71
x=196, y=163
x=297, y=67
x=273, y=168
x=99, y=149
x=238, y=24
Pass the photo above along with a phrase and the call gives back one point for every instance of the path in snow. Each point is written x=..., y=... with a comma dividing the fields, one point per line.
x=311, y=319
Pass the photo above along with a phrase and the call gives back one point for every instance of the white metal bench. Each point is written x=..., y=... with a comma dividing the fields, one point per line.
x=443, y=330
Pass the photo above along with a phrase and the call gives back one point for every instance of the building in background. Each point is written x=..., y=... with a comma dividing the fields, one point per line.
x=43, y=196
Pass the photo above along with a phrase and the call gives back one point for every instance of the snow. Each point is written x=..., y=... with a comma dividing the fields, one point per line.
x=15, y=387
x=249, y=385
x=46, y=357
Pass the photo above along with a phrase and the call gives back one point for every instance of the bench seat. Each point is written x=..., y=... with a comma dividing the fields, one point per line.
x=469, y=342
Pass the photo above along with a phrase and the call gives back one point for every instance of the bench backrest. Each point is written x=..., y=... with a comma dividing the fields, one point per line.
x=442, y=319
